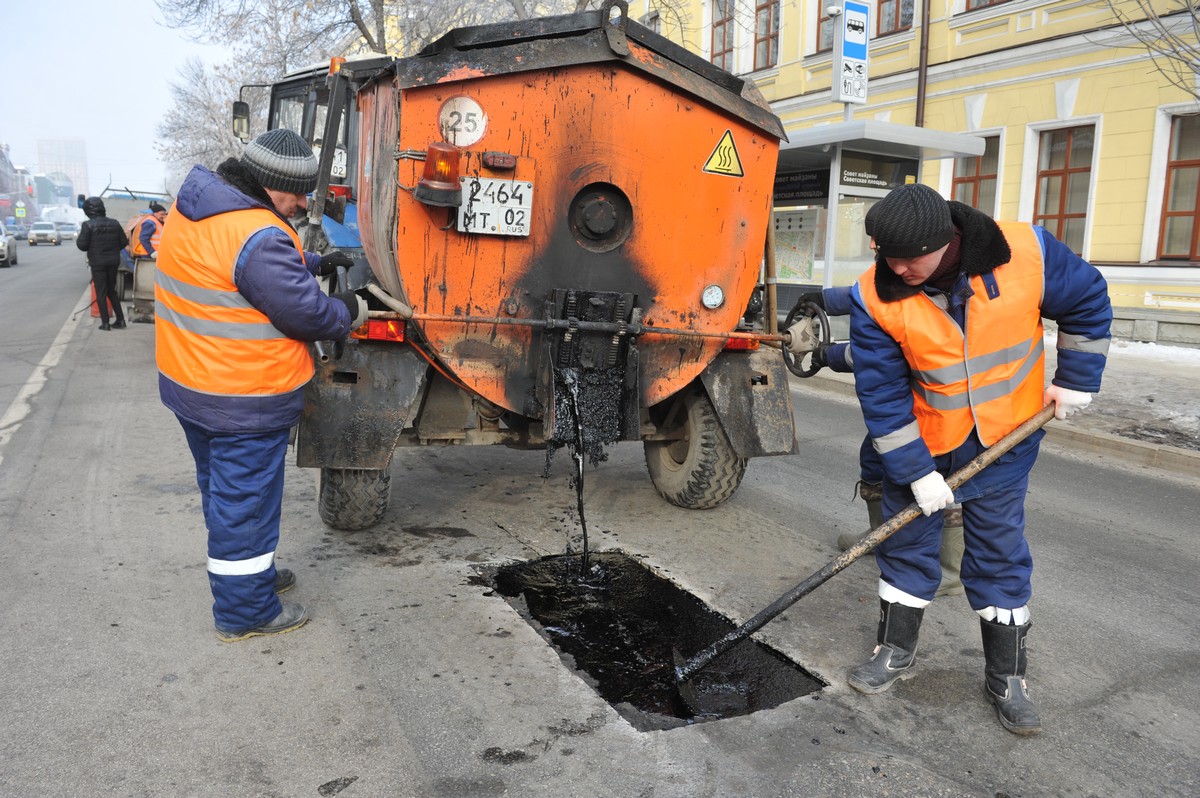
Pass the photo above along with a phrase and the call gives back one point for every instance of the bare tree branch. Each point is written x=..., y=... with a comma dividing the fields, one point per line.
x=1171, y=39
x=271, y=38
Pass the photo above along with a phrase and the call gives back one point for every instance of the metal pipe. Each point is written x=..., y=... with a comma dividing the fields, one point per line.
x=923, y=65
x=772, y=300
x=595, y=326
x=395, y=304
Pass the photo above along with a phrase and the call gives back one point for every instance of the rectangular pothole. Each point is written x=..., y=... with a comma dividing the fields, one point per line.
x=624, y=628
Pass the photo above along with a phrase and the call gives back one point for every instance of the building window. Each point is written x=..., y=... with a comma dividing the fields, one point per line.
x=824, y=28
x=975, y=178
x=974, y=4
x=766, y=33
x=1180, y=237
x=722, y=33
x=895, y=15
x=653, y=21
x=1064, y=183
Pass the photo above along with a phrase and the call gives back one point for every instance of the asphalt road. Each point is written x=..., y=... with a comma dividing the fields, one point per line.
x=415, y=679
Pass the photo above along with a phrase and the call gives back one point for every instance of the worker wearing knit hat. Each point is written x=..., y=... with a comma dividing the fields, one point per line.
x=282, y=161
x=238, y=304
x=911, y=221
x=947, y=341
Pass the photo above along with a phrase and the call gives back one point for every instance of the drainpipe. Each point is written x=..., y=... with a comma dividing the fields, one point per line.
x=923, y=67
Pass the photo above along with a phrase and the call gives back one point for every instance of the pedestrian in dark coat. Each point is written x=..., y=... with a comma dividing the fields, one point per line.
x=103, y=239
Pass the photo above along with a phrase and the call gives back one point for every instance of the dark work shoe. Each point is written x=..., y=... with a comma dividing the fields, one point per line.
x=105, y=326
x=119, y=324
x=285, y=580
x=887, y=665
x=1013, y=708
x=1006, y=656
x=895, y=656
x=293, y=616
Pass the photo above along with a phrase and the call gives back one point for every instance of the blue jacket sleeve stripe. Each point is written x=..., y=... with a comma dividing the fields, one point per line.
x=1076, y=299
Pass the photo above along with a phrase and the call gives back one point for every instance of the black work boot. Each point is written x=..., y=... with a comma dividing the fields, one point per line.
x=896, y=655
x=1004, y=650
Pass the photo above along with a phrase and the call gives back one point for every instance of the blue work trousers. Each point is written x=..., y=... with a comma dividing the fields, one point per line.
x=997, y=565
x=241, y=487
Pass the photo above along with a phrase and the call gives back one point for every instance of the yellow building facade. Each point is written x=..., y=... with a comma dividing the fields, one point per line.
x=1084, y=134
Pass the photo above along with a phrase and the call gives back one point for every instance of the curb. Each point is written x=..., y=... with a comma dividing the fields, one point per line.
x=1155, y=455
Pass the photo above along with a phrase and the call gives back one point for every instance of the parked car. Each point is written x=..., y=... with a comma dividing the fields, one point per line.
x=44, y=233
x=67, y=230
x=8, y=247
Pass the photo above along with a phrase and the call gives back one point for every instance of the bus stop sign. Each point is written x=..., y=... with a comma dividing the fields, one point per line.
x=850, y=53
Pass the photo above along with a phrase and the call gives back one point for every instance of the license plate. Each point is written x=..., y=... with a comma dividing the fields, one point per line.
x=495, y=207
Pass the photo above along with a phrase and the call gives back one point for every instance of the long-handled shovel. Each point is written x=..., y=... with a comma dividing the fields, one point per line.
x=685, y=670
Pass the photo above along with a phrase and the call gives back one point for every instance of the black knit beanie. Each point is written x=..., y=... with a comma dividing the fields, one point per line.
x=911, y=221
x=280, y=160
x=869, y=220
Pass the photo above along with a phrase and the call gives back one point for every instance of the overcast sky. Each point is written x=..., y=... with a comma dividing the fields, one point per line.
x=95, y=71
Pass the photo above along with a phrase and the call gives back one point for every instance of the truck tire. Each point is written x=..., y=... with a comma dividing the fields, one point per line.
x=701, y=470
x=353, y=498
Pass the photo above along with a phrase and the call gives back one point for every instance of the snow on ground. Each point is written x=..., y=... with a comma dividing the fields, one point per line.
x=1150, y=392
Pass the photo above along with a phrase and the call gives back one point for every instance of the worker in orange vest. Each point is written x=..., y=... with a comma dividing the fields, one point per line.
x=149, y=232
x=946, y=330
x=236, y=302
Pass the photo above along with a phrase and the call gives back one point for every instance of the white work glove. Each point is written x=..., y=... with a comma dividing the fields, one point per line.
x=802, y=337
x=1066, y=401
x=932, y=493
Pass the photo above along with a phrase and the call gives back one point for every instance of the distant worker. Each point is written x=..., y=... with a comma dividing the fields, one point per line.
x=946, y=331
x=235, y=301
x=149, y=232
x=103, y=239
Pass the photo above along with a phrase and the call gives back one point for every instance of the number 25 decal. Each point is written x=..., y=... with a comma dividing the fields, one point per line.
x=462, y=121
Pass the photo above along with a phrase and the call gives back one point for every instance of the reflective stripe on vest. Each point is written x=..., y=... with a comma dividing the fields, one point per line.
x=135, y=238
x=209, y=338
x=992, y=378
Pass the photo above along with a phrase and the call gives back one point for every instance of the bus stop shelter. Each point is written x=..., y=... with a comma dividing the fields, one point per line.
x=858, y=162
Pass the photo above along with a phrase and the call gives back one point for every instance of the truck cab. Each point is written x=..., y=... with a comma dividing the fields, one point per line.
x=300, y=102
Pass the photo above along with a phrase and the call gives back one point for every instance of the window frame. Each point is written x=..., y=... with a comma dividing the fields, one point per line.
x=824, y=22
x=899, y=7
x=771, y=39
x=1172, y=167
x=979, y=177
x=726, y=24
x=1054, y=222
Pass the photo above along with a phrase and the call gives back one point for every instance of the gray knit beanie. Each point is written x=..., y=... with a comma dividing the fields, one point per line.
x=911, y=221
x=280, y=160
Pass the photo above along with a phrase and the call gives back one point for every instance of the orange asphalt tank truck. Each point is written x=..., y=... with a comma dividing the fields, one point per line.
x=575, y=211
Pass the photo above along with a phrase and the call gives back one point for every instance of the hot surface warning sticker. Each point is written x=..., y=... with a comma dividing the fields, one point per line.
x=724, y=159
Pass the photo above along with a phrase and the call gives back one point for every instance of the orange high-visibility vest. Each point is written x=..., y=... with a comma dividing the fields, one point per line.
x=209, y=338
x=135, y=235
x=992, y=378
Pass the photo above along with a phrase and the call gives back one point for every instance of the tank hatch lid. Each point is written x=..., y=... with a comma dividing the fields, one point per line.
x=588, y=37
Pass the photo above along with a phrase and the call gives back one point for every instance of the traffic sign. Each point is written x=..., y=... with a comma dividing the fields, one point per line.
x=850, y=53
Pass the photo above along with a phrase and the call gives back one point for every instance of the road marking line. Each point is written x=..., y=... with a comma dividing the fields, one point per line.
x=10, y=422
